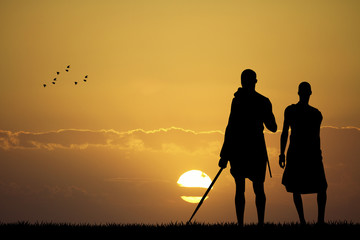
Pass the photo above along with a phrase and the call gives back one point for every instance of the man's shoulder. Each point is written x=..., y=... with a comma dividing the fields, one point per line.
x=290, y=109
x=261, y=97
x=315, y=111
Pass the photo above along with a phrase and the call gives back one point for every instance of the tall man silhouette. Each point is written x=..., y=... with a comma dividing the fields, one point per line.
x=244, y=143
x=304, y=172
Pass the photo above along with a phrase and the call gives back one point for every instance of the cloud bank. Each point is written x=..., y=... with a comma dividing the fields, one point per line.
x=138, y=139
x=79, y=175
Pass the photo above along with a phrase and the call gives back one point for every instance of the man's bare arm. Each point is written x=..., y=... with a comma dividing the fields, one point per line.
x=270, y=122
x=283, y=142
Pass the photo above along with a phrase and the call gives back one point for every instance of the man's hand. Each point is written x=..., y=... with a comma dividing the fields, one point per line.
x=282, y=160
x=223, y=163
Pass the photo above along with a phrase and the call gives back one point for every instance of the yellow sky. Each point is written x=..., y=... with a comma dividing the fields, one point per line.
x=152, y=65
x=158, y=64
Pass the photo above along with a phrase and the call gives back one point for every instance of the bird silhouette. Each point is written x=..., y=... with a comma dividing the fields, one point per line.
x=67, y=70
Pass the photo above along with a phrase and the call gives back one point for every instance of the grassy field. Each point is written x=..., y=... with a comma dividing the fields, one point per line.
x=179, y=230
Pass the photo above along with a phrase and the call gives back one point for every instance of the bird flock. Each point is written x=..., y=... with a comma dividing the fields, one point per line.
x=67, y=69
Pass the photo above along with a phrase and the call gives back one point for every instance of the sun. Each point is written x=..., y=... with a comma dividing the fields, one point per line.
x=194, y=179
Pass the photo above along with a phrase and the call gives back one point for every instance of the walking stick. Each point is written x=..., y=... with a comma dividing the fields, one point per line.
x=269, y=168
x=206, y=193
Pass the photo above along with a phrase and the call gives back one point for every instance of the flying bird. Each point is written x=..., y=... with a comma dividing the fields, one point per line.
x=86, y=76
x=84, y=80
x=68, y=66
x=44, y=85
x=53, y=82
x=54, y=79
x=57, y=73
x=75, y=83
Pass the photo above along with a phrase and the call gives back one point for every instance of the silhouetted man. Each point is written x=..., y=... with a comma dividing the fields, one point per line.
x=304, y=172
x=244, y=143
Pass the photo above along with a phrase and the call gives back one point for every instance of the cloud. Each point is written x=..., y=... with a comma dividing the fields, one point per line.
x=128, y=176
x=134, y=139
x=171, y=139
x=63, y=138
x=338, y=143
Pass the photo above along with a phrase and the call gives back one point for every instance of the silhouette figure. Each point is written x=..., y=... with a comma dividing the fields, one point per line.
x=244, y=143
x=304, y=172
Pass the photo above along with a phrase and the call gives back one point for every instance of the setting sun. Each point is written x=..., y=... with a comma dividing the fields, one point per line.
x=194, y=179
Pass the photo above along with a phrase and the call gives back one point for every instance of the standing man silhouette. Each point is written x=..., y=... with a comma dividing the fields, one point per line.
x=304, y=172
x=244, y=143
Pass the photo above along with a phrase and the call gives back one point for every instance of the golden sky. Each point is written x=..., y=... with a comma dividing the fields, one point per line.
x=158, y=65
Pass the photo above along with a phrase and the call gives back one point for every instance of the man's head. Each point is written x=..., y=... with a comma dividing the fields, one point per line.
x=248, y=79
x=304, y=92
x=304, y=89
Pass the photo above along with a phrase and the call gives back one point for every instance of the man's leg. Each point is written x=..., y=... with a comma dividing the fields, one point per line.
x=299, y=207
x=240, y=199
x=321, y=201
x=260, y=200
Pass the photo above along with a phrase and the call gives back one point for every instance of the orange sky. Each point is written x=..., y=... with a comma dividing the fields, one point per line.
x=162, y=64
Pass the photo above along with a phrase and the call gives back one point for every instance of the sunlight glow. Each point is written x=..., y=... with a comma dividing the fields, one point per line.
x=192, y=199
x=194, y=178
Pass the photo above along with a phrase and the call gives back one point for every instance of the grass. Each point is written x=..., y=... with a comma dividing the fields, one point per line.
x=179, y=230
